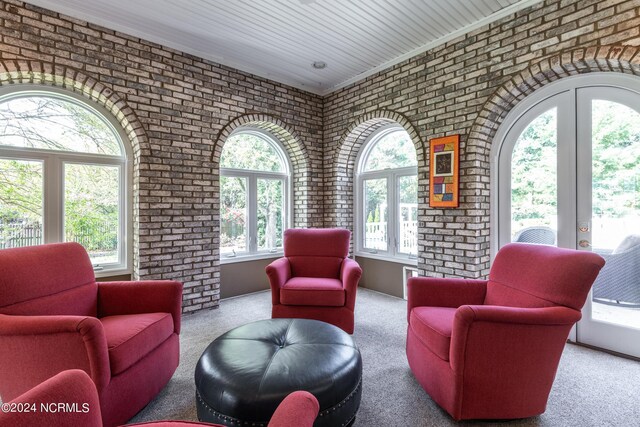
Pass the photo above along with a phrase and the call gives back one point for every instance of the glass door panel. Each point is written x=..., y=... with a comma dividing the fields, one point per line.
x=534, y=182
x=609, y=215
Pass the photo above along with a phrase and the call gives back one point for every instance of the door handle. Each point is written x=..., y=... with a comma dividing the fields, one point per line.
x=584, y=244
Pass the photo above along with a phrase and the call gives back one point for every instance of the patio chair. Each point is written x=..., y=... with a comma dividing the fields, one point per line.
x=619, y=281
x=539, y=235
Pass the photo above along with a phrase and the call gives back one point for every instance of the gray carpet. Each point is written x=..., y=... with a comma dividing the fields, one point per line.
x=592, y=388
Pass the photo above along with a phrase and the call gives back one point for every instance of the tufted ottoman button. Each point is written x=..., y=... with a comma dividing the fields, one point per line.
x=244, y=374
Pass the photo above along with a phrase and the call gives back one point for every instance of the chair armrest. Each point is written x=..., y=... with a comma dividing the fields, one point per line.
x=299, y=409
x=72, y=387
x=450, y=292
x=278, y=272
x=350, y=273
x=509, y=335
x=150, y=296
x=34, y=348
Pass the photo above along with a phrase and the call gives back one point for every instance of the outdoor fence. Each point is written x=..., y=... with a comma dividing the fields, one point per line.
x=99, y=237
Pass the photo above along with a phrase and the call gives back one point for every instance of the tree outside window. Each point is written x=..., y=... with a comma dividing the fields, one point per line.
x=253, y=194
x=53, y=144
x=388, y=202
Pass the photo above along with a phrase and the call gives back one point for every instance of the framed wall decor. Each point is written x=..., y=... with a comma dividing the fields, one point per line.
x=444, y=173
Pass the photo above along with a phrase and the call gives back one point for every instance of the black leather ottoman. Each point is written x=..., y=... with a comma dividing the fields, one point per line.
x=244, y=374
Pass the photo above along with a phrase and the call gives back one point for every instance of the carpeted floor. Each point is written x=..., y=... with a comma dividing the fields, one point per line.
x=592, y=388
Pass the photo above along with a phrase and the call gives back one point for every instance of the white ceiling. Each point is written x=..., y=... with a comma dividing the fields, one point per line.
x=280, y=39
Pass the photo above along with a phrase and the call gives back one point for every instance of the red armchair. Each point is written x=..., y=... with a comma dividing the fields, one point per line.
x=77, y=395
x=315, y=279
x=490, y=349
x=54, y=317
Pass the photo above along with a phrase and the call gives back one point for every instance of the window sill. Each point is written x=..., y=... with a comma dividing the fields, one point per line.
x=111, y=272
x=403, y=259
x=251, y=257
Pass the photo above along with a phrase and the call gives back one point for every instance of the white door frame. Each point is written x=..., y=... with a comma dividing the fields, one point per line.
x=563, y=95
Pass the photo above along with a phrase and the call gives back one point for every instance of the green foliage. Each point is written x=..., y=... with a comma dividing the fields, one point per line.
x=91, y=206
x=615, y=166
x=91, y=199
x=534, y=173
x=52, y=123
x=249, y=151
x=616, y=160
x=20, y=190
x=395, y=150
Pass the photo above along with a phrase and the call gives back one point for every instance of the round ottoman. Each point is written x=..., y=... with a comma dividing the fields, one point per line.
x=244, y=374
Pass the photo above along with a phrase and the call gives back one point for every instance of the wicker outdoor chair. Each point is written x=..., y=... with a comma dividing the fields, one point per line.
x=619, y=280
x=539, y=235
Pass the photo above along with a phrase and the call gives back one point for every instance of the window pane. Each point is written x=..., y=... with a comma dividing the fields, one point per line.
x=375, y=211
x=233, y=215
x=20, y=203
x=91, y=210
x=55, y=124
x=615, y=227
x=394, y=150
x=616, y=173
x=270, y=208
x=408, y=214
x=250, y=151
x=534, y=182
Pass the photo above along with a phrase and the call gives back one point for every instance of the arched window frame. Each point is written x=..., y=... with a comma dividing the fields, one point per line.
x=517, y=120
x=391, y=175
x=252, y=176
x=53, y=174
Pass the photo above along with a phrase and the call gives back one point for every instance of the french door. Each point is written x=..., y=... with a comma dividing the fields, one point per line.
x=568, y=174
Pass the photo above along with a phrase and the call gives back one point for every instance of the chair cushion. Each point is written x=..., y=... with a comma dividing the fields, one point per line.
x=44, y=280
x=433, y=327
x=313, y=291
x=131, y=337
x=310, y=266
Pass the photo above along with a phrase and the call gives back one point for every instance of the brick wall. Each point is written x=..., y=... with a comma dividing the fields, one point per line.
x=467, y=86
x=177, y=110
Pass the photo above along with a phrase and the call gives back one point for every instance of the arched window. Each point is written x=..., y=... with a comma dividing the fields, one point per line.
x=254, y=189
x=387, y=196
x=63, y=176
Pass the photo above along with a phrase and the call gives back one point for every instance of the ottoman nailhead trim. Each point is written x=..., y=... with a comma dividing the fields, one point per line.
x=228, y=418
x=260, y=424
x=349, y=397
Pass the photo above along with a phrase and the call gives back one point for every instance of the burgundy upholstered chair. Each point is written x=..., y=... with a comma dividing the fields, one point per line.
x=315, y=279
x=75, y=389
x=489, y=349
x=54, y=317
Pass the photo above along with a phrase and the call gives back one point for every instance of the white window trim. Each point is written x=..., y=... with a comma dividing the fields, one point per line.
x=392, y=176
x=252, y=177
x=53, y=174
x=536, y=103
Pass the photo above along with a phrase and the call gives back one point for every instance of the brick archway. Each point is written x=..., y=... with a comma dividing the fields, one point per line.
x=620, y=59
x=300, y=174
x=341, y=172
x=24, y=72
